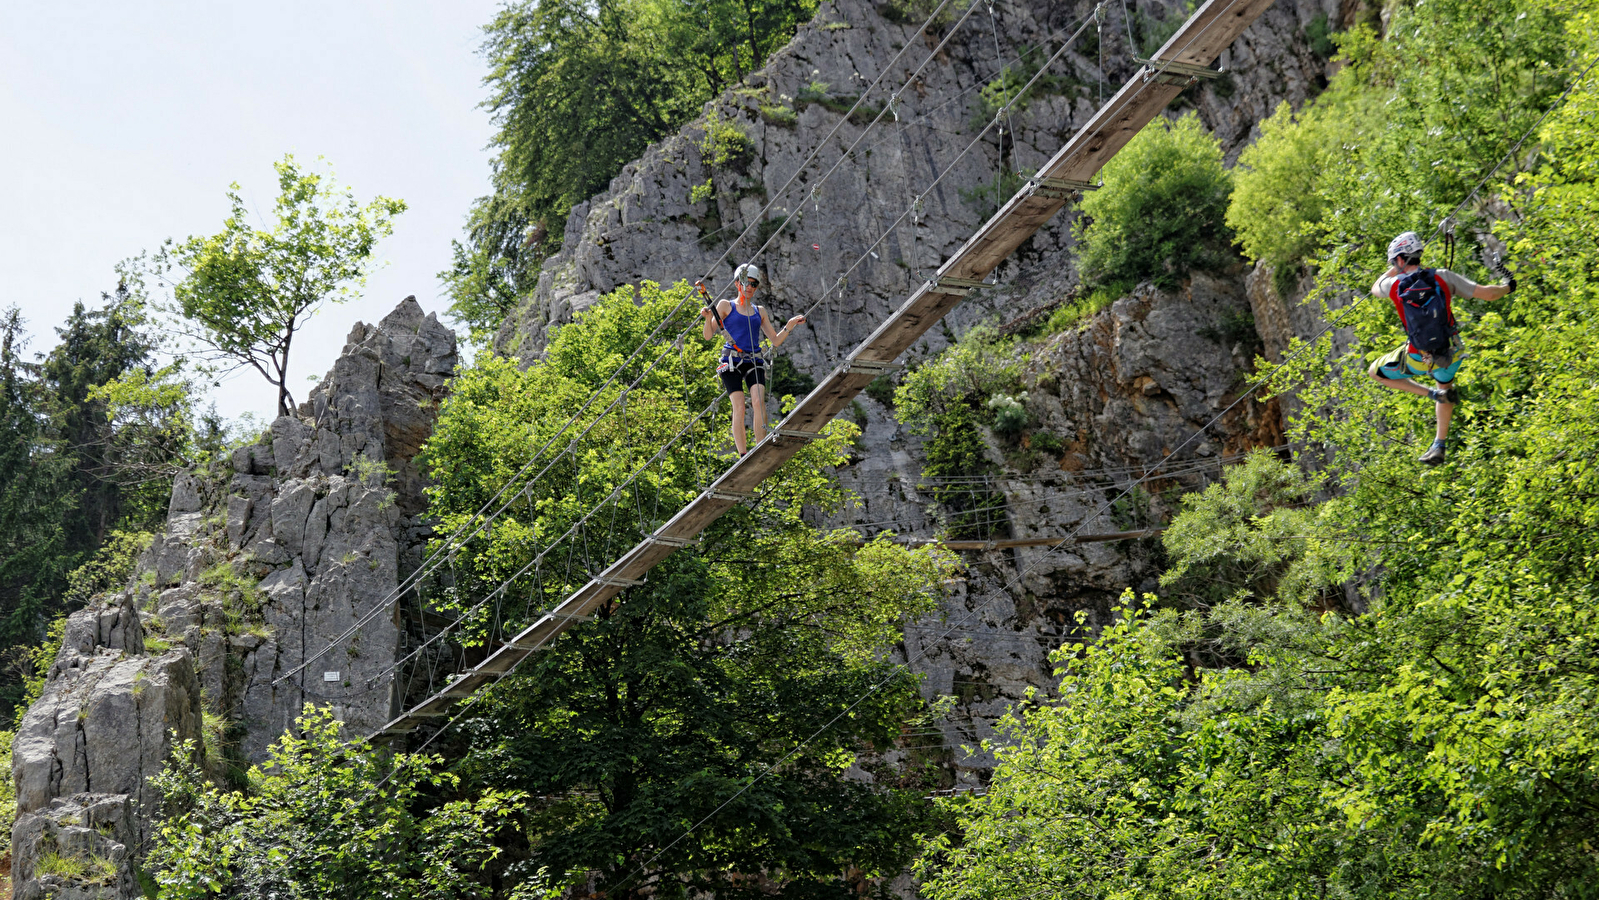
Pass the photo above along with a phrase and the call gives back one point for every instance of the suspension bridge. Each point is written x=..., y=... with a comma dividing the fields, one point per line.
x=1184, y=59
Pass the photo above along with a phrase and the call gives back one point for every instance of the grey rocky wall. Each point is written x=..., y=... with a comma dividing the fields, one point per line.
x=266, y=558
x=1129, y=386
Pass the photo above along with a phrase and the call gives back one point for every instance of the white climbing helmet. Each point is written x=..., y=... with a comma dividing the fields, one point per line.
x=1407, y=244
x=748, y=273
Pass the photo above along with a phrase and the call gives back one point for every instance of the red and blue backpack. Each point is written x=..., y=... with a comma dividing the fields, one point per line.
x=1428, y=321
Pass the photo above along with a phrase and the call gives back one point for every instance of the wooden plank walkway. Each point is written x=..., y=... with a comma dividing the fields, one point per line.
x=1209, y=31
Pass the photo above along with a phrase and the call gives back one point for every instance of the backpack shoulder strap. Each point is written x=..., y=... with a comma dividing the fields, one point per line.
x=1441, y=284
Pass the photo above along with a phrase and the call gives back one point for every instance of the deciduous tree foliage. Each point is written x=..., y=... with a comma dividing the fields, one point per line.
x=75, y=477
x=36, y=498
x=1160, y=212
x=244, y=293
x=757, y=651
x=323, y=818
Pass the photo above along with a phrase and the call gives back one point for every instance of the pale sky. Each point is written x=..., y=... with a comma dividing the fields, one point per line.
x=122, y=124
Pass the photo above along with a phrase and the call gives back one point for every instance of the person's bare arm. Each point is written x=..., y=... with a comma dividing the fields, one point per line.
x=1490, y=291
x=709, y=332
x=1376, y=286
x=778, y=337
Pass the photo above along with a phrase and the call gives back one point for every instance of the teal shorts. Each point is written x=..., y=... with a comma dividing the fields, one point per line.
x=1402, y=364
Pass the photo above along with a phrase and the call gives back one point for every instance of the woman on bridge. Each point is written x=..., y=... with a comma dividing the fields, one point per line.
x=743, y=363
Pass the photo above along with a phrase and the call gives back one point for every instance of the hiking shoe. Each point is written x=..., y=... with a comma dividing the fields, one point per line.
x=1434, y=455
x=1444, y=395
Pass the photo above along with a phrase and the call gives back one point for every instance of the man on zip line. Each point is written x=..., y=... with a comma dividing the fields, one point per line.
x=743, y=363
x=1432, y=347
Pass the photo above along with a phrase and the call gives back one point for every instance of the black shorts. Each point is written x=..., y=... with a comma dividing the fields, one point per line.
x=737, y=373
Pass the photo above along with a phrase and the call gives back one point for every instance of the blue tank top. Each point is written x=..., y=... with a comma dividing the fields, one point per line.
x=745, y=331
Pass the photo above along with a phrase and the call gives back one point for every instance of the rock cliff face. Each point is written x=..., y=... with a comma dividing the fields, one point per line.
x=266, y=558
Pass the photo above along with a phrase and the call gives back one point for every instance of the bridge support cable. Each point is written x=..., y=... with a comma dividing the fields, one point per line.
x=1209, y=31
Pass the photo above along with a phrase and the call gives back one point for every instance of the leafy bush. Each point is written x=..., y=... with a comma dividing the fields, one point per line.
x=815, y=92
x=957, y=475
x=1077, y=312
x=779, y=114
x=940, y=399
x=1010, y=413
x=1005, y=88
x=1045, y=442
x=978, y=366
x=315, y=824
x=725, y=145
x=1161, y=211
x=1276, y=208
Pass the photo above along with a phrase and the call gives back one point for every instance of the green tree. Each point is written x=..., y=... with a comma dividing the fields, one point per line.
x=669, y=705
x=1276, y=207
x=95, y=347
x=244, y=293
x=323, y=818
x=81, y=476
x=1161, y=211
x=129, y=424
x=36, y=497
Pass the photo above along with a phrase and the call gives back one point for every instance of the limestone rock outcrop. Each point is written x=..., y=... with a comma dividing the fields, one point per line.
x=108, y=718
x=310, y=527
x=269, y=557
x=85, y=841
